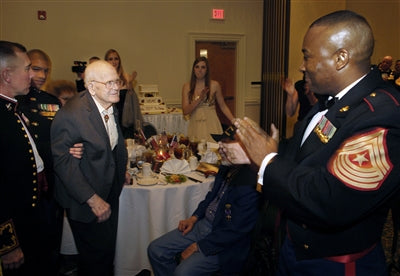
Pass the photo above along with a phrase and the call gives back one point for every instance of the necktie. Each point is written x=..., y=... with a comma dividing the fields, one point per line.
x=324, y=103
x=106, y=118
x=110, y=128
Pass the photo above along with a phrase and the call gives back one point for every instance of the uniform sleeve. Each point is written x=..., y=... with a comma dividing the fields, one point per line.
x=349, y=185
x=8, y=237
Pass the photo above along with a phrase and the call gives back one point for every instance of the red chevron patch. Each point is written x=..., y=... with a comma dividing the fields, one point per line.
x=362, y=162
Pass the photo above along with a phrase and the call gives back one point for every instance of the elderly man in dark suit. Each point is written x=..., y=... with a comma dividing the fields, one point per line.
x=337, y=175
x=89, y=188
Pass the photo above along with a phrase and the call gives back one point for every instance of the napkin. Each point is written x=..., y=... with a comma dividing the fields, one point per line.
x=175, y=166
x=209, y=157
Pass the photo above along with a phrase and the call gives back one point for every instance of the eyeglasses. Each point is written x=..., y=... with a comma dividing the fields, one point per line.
x=110, y=84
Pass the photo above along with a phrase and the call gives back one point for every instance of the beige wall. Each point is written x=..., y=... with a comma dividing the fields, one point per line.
x=153, y=36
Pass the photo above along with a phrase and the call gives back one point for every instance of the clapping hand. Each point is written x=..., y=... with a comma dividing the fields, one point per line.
x=256, y=141
x=233, y=153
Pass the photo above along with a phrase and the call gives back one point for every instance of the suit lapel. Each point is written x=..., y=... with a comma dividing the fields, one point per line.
x=95, y=117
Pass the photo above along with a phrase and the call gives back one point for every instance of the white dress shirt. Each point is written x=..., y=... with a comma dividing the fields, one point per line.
x=110, y=125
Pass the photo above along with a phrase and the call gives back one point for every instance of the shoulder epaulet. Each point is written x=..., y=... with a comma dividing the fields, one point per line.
x=380, y=97
x=8, y=237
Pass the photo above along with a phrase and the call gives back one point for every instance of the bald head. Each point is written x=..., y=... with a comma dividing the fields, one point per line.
x=98, y=70
x=386, y=63
x=103, y=83
x=337, y=49
x=352, y=32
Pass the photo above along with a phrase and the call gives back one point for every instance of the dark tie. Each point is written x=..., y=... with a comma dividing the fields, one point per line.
x=324, y=103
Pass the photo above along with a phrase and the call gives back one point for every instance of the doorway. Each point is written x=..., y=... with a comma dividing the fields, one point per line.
x=221, y=56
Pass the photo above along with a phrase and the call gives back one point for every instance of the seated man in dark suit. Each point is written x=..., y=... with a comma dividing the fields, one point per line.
x=217, y=236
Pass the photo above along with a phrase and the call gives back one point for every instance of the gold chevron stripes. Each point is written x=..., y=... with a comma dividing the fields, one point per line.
x=8, y=237
x=362, y=162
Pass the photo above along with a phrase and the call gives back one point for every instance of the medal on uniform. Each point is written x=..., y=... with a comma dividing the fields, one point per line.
x=228, y=212
x=324, y=130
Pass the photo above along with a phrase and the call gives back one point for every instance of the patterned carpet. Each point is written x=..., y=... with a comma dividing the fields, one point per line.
x=387, y=238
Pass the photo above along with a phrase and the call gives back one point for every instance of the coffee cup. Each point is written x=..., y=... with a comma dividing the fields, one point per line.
x=146, y=169
x=193, y=162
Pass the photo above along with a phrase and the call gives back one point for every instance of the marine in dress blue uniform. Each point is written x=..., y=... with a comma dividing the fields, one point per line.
x=21, y=177
x=335, y=183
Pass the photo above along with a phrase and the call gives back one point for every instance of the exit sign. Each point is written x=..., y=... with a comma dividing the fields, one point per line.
x=218, y=14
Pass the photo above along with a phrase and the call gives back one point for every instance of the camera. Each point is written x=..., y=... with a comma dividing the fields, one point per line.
x=79, y=67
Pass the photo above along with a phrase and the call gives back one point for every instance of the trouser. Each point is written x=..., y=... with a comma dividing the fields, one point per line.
x=162, y=253
x=96, y=242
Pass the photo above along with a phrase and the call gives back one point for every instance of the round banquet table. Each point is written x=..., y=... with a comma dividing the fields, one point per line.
x=147, y=212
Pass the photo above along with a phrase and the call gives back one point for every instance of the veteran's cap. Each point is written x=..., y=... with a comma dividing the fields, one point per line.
x=229, y=133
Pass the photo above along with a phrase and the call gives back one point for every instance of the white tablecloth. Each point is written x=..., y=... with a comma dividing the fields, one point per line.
x=147, y=212
x=170, y=122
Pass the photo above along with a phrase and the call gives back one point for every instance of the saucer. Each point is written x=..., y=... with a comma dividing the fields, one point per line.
x=146, y=181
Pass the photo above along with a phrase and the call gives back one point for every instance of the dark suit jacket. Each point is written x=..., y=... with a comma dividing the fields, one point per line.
x=77, y=180
x=327, y=189
x=230, y=237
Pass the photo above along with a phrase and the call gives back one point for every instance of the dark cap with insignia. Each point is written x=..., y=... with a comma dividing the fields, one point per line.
x=228, y=134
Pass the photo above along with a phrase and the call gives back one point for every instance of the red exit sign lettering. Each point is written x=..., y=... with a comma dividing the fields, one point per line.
x=218, y=14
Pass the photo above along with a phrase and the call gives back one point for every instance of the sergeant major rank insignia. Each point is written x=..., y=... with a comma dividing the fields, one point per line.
x=325, y=130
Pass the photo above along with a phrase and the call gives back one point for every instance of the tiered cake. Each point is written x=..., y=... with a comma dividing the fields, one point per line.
x=150, y=100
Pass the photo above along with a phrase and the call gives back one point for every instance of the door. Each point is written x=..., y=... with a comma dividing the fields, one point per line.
x=221, y=56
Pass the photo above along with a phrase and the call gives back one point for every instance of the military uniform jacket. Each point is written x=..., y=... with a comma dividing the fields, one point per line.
x=335, y=187
x=79, y=121
x=235, y=217
x=18, y=179
x=40, y=108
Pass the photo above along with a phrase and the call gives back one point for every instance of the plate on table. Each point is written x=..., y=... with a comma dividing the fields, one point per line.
x=175, y=178
x=146, y=181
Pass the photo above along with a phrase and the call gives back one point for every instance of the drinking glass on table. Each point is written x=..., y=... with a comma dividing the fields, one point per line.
x=194, y=145
x=187, y=152
x=140, y=159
